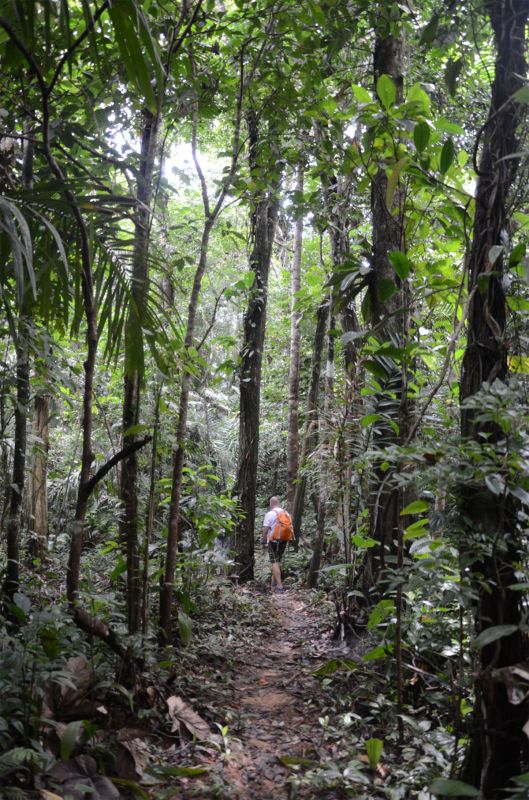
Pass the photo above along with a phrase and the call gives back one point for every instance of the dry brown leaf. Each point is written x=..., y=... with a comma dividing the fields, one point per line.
x=181, y=712
x=50, y=795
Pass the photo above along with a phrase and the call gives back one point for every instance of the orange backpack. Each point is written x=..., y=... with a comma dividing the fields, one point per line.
x=283, y=531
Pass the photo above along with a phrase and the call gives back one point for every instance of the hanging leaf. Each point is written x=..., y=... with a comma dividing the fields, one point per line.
x=400, y=263
x=447, y=156
x=452, y=72
x=492, y=634
x=421, y=136
x=430, y=31
x=386, y=91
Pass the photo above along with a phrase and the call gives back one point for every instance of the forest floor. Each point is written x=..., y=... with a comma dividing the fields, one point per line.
x=270, y=694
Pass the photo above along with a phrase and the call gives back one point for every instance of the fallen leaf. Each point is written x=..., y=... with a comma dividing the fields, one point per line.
x=181, y=712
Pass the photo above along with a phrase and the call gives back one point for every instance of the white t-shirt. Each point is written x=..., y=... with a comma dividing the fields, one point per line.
x=270, y=521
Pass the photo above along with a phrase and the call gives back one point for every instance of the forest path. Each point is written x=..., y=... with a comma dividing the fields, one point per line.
x=270, y=696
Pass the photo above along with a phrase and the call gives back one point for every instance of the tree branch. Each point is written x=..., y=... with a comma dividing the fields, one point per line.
x=125, y=452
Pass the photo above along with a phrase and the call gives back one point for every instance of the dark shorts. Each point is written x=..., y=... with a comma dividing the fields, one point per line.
x=276, y=550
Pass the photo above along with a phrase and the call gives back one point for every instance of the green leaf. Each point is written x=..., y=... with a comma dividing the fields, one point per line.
x=386, y=91
x=374, y=751
x=329, y=668
x=386, y=289
x=492, y=634
x=453, y=788
x=69, y=738
x=368, y=420
x=361, y=94
x=363, y=541
x=522, y=95
x=452, y=72
x=400, y=263
x=177, y=772
x=418, y=97
x=421, y=136
x=379, y=613
x=297, y=761
x=430, y=31
x=417, y=507
x=447, y=156
x=185, y=627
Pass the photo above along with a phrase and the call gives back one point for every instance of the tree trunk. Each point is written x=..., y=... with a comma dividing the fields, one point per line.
x=498, y=746
x=133, y=369
x=295, y=341
x=310, y=431
x=263, y=223
x=210, y=215
x=16, y=489
x=324, y=460
x=385, y=312
x=173, y=536
x=39, y=489
x=19, y=461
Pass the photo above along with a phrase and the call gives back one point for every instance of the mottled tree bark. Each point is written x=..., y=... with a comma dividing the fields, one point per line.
x=498, y=746
x=263, y=163
x=133, y=370
x=295, y=341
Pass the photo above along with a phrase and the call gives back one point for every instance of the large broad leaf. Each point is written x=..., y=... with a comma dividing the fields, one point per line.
x=400, y=263
x=421, y=136
x=386, y=91
x=449, y=788
x=494, y=633
x=417, y=507
x=447, y=156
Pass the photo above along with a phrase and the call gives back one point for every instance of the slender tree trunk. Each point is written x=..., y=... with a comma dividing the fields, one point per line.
x=151, y=507
x=310, y=431
x=173, y=536
x=498, y=746
x=134, y=370
x=16, y=489
x=263, y=223
x=388, y=225
x=324, y=460
x=211, y=214
x=295, y=341
x=19, y=461
x=39, y=488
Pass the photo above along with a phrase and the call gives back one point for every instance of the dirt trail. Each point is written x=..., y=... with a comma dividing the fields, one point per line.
x=272, y=703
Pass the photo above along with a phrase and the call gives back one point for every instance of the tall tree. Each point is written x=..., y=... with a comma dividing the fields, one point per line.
x=264, y=164
x=212, y=208
x=295, y=341
x=384, y=304
x=498, y=748
x=133, y=371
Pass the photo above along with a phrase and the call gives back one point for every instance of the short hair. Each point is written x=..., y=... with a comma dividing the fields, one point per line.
x=274, y=501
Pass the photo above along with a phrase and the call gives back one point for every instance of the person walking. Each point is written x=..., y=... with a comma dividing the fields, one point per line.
x=276, y=547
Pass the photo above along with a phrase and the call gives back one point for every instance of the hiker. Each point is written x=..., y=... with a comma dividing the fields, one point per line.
x=277, y=531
